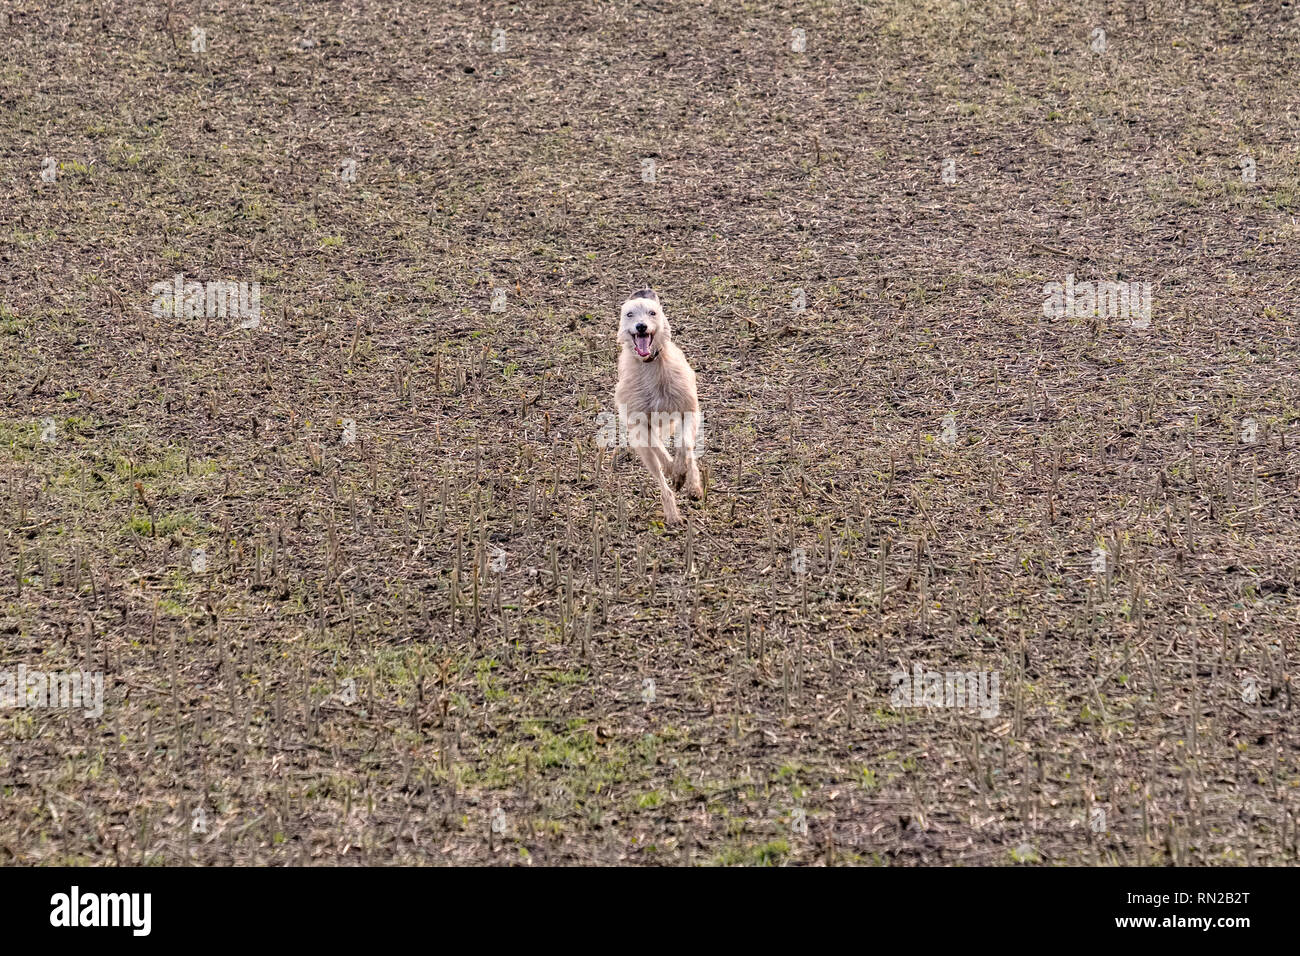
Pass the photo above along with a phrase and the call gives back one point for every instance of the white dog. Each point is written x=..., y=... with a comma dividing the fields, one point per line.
x=656, y=397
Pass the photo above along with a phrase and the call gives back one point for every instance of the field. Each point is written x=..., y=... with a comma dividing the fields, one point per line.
x=363, y=585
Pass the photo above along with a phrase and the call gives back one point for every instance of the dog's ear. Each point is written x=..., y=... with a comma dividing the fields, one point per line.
x=645, y=294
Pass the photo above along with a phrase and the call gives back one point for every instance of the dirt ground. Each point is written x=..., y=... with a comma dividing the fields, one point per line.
x=364, y=588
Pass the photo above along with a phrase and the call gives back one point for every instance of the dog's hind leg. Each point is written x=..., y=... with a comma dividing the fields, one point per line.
x=649, y=455
x=661, y=455
x=675, y=467
x=685, y=470
x=655, y=433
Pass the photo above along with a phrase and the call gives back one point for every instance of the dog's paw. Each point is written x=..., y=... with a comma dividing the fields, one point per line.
x=691, y=479
x=673, y=519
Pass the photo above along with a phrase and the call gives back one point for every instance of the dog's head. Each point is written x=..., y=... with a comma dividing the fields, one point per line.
x=643, y=327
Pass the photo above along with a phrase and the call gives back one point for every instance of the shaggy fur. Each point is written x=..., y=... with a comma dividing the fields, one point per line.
x=657, y=384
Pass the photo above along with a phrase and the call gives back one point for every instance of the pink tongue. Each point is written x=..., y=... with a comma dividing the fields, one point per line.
x=642, y=343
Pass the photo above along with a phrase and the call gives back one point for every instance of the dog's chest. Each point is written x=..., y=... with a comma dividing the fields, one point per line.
x=647, y=390
x=664, y=396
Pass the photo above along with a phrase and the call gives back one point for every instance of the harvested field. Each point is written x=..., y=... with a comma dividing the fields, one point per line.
x=362, y=584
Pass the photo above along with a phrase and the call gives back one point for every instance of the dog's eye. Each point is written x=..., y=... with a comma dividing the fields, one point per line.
x=653, y=312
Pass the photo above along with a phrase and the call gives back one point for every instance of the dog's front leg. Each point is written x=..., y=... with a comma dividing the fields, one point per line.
x=686, y=466
x=661, y=453
x=649, y=454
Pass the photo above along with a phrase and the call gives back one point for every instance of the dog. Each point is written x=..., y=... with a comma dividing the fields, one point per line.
x=656, y=396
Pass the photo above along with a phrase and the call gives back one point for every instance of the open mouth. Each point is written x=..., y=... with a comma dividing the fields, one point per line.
x=642, y=343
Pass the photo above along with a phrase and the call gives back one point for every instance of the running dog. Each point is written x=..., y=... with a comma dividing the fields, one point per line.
x=656, y=395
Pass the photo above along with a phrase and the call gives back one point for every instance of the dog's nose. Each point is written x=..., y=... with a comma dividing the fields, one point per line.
x=640, y=328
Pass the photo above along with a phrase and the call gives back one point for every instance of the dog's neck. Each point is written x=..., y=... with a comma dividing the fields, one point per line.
x=652, y=357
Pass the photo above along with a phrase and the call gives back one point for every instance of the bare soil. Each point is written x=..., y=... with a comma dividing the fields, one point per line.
x=426, y=595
